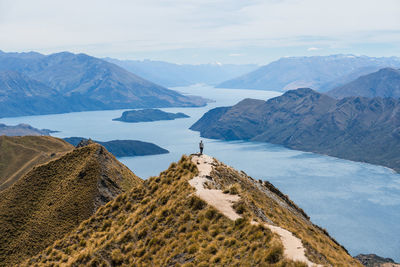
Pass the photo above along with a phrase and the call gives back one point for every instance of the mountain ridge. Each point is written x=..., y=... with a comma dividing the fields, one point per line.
x=79, y=82
x=174, y=75
x=53, y=198
x=164, y=223
x=319, y=72
x=306, y=120
x=383, y=83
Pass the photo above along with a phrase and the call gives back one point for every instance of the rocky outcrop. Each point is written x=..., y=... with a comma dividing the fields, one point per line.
x=372, y=260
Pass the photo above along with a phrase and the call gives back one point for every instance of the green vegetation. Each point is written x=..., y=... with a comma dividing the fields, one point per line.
x=18, y=155
x=54, y=198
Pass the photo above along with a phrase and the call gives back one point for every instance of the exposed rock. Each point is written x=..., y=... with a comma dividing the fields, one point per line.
x=373, y=260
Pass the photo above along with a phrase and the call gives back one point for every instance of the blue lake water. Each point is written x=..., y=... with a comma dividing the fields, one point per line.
x=358, y=203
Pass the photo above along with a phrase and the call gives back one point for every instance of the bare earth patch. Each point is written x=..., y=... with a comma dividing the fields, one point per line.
x=293, y=247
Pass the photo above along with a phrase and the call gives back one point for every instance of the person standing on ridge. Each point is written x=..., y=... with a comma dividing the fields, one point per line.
x=201, y=146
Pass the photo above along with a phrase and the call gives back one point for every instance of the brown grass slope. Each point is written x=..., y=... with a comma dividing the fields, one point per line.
x=19, y=154
x=264, y=203
x=53, y=198
x=162, y=223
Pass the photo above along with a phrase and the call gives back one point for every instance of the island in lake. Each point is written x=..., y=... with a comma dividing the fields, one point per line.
x=145, y=115
x=124, y=148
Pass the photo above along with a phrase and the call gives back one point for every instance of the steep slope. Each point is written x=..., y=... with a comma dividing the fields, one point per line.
x=124, y=148
x=21, y=95
x=22, y=130
x=318, y=72
x=170, y=74
x=163, y=223
x=87, y=83
x=383, y=83
x=18, y=155
x=354, y=128
x=52, y=199
x=372, y=260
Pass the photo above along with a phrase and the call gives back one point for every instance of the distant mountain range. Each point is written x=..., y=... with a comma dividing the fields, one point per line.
x=383, y=83
x=321, y=73
x=354, y=128
x=171, y=75
x=32, y=83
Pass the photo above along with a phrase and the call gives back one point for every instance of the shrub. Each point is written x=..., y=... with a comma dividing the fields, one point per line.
x=275, y=254
x=196, y=203
x=116, y=257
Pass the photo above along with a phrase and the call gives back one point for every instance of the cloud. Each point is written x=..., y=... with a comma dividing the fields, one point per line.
x=236, y=55
x=313, y=49
x=104, y=27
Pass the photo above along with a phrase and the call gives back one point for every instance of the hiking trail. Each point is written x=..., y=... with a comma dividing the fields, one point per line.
x=293, y=247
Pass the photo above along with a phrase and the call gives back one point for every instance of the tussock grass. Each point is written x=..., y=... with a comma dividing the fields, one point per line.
x=165, y=225
x=53, y=198
x=19, y=154
x=262, y=202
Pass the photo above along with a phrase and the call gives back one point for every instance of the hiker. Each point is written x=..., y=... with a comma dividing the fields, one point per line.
x=201, y=145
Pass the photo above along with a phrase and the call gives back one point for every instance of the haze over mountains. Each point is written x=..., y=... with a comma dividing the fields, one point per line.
x=321, y=73
x=355, y=128
x=383, y=83
x=170, y=74
x=32, y=83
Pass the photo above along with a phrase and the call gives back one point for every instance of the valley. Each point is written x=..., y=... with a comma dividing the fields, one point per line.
x=337, y=194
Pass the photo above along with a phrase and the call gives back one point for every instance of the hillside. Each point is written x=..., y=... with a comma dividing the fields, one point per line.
x=124, y=148
x=53, y=198
x=21, y=130
x=21, y=95
x=383, y=83
x=146, y=115
x=355, y=128
x=172, y=75
x=18, y=155
x=78, y=82
x=318, y=72
x=166, y=222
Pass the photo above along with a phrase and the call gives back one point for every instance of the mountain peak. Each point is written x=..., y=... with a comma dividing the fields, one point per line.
x=382, y=83
x=53, y=198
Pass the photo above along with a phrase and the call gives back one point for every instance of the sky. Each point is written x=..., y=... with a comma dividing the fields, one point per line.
x=202, y=31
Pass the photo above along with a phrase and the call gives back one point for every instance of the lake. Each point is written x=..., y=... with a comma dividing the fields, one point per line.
x=358, y=203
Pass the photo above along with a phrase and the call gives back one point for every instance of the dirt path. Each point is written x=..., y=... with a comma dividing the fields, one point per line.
x=293, y=247
x=222, y=202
